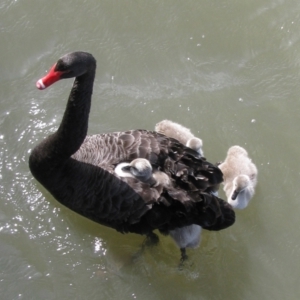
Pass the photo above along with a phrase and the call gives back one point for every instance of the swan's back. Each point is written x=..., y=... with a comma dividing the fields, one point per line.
x=108, y=150
x=190, y=173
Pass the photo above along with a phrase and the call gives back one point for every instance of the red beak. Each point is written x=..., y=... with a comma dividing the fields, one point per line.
x=49, y=79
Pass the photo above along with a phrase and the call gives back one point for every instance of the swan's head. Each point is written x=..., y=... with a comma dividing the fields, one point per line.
x=195, y=144
x=70, y=65
x=239, y=184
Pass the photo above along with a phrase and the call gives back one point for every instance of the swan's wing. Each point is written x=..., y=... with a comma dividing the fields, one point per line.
x=113, y=148
x=166, y=154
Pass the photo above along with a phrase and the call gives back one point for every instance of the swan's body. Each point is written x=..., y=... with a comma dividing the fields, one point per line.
x=78, y=170
x=180, y=133
x=240, y=177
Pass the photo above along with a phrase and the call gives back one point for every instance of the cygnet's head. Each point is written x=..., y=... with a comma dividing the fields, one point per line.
x=237, y=150
x=140, y=168
x=195, y=144
x=239, y=184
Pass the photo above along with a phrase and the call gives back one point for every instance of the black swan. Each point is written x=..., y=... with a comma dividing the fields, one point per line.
x=78, y=170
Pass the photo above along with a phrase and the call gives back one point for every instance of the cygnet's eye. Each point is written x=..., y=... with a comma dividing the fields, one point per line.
x=134, y=171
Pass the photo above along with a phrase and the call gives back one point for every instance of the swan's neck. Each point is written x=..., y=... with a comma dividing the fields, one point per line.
x=73, y=128
x=51, y=153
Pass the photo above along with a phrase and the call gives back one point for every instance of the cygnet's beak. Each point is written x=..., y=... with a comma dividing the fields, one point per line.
x=126, y=169
x=234, y=195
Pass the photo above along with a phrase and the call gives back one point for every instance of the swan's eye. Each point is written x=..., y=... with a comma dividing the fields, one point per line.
x=60, y=66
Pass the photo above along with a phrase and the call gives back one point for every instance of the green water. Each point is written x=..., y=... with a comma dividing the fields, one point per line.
x=229, y=70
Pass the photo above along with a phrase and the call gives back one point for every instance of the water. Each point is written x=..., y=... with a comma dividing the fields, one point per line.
x=228, y=70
